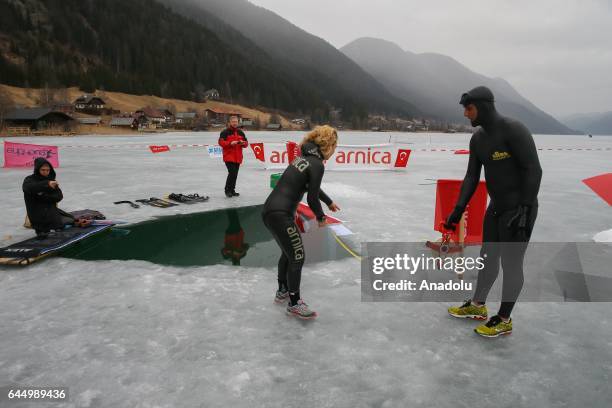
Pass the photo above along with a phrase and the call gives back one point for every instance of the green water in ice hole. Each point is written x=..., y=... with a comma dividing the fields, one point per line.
x=235, y=236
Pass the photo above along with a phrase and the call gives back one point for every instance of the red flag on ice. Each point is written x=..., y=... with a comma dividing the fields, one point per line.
x=258, y=150
x=447, y=193
x=402, y=157
x=304, y=215
x=159, y=149
x=602, y=186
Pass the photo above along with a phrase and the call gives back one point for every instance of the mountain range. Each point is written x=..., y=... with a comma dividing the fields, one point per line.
x=435, y=82
x=177, y=48
x=592, y=123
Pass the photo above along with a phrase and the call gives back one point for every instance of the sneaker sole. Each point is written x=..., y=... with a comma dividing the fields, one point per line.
x=281, y=301
x=473, y=317
x=311, y=317
x=486, y=336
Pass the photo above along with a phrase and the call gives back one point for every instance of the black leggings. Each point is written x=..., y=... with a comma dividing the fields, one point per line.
x=287, y=236
x=501, y=243
x=232, y=175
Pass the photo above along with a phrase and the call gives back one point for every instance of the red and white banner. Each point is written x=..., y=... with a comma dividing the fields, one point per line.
x=346, y=157
x=23, y=155
x=159, y=149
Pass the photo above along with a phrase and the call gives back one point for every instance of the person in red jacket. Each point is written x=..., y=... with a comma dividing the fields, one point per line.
x=232, y=140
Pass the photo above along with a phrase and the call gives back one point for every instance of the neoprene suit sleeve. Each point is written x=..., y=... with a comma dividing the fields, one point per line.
x=324, y=197
x=471, y=179
x=523, y=148
x=314, y=188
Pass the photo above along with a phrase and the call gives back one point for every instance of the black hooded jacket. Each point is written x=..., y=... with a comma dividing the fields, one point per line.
x=506, y=150
x=41, y=200
x=303, y=175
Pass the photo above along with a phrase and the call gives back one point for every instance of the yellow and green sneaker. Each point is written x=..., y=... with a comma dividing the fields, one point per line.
x=469, y=311
x=494, y=328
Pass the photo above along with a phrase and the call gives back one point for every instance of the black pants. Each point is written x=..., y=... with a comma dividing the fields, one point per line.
x=287, y=236
x=232, y=175
x=501, y=243
x=60, y=222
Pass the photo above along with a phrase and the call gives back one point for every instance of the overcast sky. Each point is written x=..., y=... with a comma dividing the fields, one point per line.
x=557, y=53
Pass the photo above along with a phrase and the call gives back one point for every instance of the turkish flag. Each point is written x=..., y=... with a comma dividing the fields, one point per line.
x=293, y=150
x=159, y=149
x=602, y=186
x=258, y=149
x=402, y=157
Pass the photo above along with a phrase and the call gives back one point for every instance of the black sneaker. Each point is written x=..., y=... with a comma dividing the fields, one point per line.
x=229, y=194
x=235, y=194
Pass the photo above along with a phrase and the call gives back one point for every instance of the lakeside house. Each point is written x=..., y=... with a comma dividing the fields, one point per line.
x=168, y=115
x=67, y=108
x=182, y=118
x=246, y=121
x=90, y=120
x=212, y=95
x=217, y=115
x=274, y=126
x=124, y=122
x=37, y=119
x=89, y=104
x=152, y=115
x=187, y=120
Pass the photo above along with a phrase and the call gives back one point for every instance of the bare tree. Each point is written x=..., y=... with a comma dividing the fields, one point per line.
x=228, y=93
x=6, y=104
x=28, y=90
x=46, y=96
x=200, y=91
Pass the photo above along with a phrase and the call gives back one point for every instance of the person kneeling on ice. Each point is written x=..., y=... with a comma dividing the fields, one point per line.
x=41, y=193
x=507, y=151
x=304, y=174
x=232, y=140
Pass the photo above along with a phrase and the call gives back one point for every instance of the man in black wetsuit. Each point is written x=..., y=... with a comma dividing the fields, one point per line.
x=304, y=174
x=506, y=150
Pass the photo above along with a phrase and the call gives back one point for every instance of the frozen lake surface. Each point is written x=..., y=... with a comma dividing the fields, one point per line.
x=138, y=334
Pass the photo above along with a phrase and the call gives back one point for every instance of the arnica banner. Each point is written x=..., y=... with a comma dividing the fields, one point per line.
x=346, y=157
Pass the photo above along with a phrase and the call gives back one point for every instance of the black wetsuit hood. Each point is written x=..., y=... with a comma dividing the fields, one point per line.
x=38, y=163
x=311, y=149
x=483, y=99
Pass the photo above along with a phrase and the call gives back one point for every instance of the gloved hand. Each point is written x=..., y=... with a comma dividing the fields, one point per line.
x=519, y=223
x=454, y=218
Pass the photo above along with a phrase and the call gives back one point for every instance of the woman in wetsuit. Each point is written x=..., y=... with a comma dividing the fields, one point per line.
x=303, y=175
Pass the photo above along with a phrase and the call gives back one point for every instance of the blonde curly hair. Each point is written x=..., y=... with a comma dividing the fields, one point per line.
x=326, y=137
